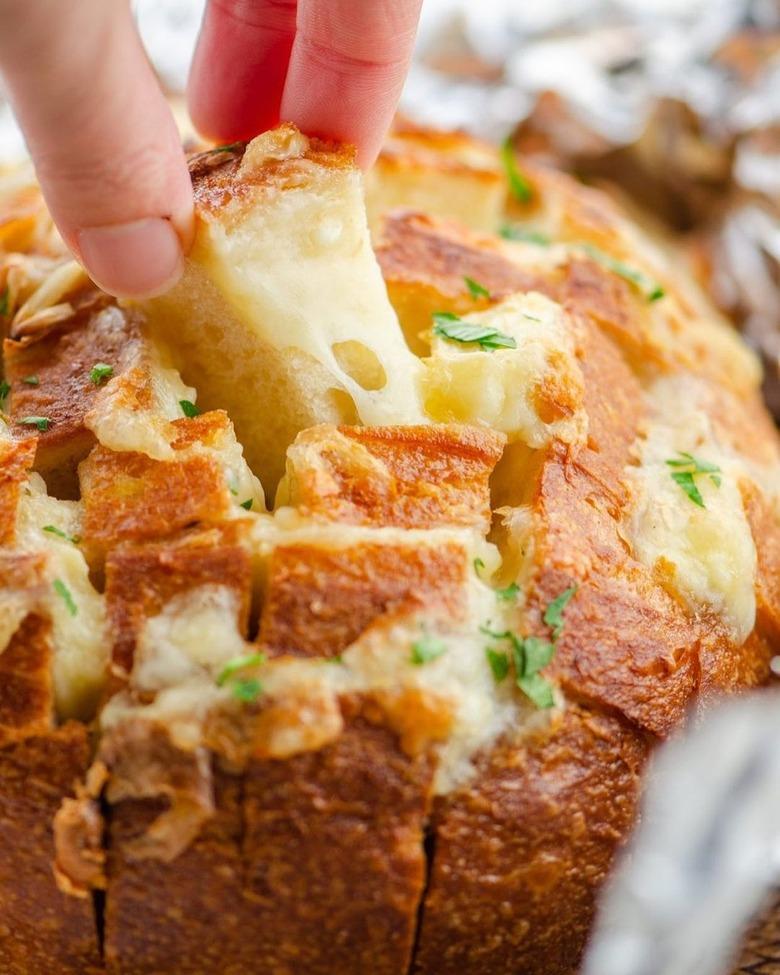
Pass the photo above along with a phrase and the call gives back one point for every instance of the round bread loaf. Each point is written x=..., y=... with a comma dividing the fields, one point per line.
x=525, y=521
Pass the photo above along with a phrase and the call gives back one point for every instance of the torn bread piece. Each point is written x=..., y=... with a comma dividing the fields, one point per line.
x=282, y=317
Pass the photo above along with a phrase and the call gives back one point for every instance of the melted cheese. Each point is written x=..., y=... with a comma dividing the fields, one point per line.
x=708, y=554
x=133, y=411
x=81, y=639
x=531, y=393
x=194, y=636
x=282, y=317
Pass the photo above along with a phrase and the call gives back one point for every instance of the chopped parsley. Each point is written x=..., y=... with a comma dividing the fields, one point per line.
x=452, y=327
x=529, y=656
x=31, y=381
x=513, y=231
x=508, y=593
x=100, y=372
x=5, y=389
x=247, y=690
x=53, y=530
x=229, y=147
x=553, y=615
x=247, y=505
x=188, y=408
x=686, y=468
x=64, y=593
x=521, y=188
x=651, y=289
x=476, y=290
x=42, y=423
x=4, y=301
x=479, y=565
x=426, y=649
x=499, y=663
x=232, y=667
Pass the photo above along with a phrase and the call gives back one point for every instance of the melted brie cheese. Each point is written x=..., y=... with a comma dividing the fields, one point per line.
x=707, y=554
x=532, y=393
x=79, y=623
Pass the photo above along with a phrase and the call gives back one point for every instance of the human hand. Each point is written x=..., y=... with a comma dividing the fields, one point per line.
x=103, y=140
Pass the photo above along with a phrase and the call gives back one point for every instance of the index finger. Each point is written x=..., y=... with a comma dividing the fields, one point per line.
x=347, y=68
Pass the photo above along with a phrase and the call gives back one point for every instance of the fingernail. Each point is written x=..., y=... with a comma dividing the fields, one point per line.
x=132, y=260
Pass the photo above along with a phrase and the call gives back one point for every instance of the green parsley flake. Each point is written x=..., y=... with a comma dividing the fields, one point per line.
x=100, y=372
x=229, y=147
x=247, y=689
x=426, y=649
x=521, y=188
x=4, y=302
x=538, y=690
x=476, y=290
x=530, y=655
x=451, y=327
x=509, y=593
x=62, y=590
x=499, y=663
x=5, y=389
x=513, y=231
x=553, y=615
x=188, y=408
x=41, y=422
x=31, y=381
x=247, y=505
x=53, y=530
x=651, y=290
x=232, y=667
x=479, y=566
x=685, y=469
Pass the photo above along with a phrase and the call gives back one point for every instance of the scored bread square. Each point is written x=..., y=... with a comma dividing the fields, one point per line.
x=447, y=174
x=60, y=934
x=131, y=497
x=546, y=805
x=408, y=477
x=321, y=597
x=333, y=850
x=142, y=578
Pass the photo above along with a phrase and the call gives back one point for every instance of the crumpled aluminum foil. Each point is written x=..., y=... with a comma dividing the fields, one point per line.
x=705, y=855
x=675, y=103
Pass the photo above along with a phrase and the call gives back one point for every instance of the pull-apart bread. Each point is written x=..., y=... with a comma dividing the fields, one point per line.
x=345, y=589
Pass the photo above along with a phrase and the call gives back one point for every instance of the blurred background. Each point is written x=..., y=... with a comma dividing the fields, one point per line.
x=674, y=104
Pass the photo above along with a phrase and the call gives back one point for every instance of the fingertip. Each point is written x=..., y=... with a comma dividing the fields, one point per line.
x=139, y=259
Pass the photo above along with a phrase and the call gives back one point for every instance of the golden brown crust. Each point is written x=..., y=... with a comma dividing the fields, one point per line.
x=64, y=393
x=425, y=262
x=334, y=854
x=16, y=460
x=765, y=525
x=26, y=695
x=184, y=917
x=320, y=599
x=646, y=668
x=59, y=934
x=224, y=176
x=141, y=579
x=408, y=477
x=521, y=851
x=130, y=497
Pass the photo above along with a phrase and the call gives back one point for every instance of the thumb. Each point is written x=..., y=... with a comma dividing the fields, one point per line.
x=103, y=140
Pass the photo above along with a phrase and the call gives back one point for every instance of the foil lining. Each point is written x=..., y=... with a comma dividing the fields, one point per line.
x=676, y=103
